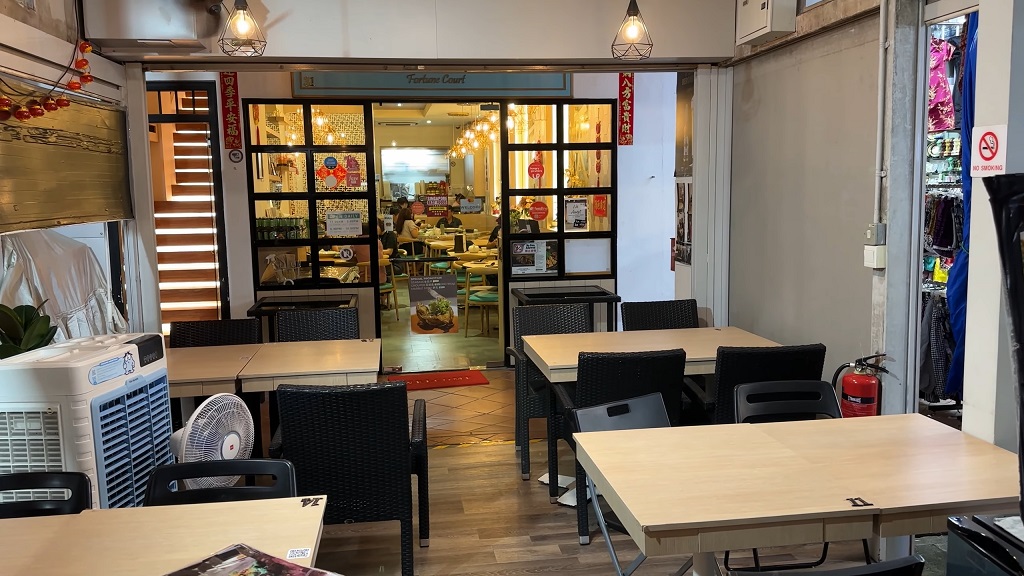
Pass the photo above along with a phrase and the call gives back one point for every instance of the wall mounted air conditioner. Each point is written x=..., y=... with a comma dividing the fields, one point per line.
x=98, y=405
x=760, y=21
x=133, y=27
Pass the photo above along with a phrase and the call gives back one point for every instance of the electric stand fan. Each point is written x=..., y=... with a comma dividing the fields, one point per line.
x=220, y=429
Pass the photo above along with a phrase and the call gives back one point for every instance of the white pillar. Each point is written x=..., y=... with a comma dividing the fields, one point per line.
x=989, y=395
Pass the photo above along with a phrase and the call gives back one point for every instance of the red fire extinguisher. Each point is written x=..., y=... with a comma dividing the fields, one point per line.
x=862, y=390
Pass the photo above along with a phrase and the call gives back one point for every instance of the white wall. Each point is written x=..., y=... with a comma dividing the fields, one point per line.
x=467, y=30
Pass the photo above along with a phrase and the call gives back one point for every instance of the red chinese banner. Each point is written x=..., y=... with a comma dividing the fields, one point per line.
x=626, y=109
x=601, y=206
x=230, y=111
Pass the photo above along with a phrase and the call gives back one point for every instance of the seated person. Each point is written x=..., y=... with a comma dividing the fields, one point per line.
x=492, y=242
x=449, y=220
x=408, y=232
x=398, y=206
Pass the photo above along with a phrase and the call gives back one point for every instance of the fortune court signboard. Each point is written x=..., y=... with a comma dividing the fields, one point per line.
x=432, y=84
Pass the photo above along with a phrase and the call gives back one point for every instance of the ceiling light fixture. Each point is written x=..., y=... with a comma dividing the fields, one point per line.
x=242, y=35
x=633, y=41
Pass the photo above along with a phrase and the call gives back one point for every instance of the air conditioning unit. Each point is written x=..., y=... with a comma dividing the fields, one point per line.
x=760, y=21
x=98, y=405
x=133, y=27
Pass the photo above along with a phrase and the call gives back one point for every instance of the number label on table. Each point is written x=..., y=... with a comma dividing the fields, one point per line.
x=311, y=502
x=298, y=553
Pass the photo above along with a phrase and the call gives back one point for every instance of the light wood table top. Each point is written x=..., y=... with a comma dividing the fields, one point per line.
x=705, y=489
x=157, y=540
x=557, y=355
x=324, y=362
x=206, y=370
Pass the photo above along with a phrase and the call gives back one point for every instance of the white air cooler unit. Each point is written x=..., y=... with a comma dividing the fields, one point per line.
x=98, y=405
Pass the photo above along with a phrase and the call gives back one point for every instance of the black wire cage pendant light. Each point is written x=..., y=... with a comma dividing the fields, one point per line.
x=242, y=35
x=633, y=42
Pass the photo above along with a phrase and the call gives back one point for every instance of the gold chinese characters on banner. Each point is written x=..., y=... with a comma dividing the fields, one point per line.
x=626, y=109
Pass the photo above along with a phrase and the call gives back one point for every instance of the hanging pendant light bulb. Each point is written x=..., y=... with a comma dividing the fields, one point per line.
x=242, y=35
x=633, y=42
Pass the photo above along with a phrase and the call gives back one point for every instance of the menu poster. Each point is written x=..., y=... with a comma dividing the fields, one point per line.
x=434, y=304
x=576, y=213
x=437, y=205
x=533, y=257
x=471, y=206
x=389, y=222
x=344, y=223
x=241, y=559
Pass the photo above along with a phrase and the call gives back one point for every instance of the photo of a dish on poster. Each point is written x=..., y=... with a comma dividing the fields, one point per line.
x=434, y=302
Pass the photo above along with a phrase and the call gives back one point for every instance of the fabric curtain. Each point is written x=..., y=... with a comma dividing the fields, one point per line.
x=956, y=286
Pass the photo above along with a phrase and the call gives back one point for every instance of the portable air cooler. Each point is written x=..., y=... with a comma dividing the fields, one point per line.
x=98, y=405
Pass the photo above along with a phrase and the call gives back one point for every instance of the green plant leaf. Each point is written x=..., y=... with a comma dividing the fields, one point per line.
x=4, y=339
x=10, y=324
x=46, y=340
x=8, y=350
x=25, y=314
x=35, y=333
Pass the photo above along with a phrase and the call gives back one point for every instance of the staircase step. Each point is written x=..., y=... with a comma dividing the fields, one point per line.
x=182, y=206
x=200, y=257
x=192, y=163
x=182, y=138
x=179, y=190
x=186, y=315
x=186, y=240
x=185, y=222
x=206, y=275
x=197, y=177
x=190, y=295
x=199, y=126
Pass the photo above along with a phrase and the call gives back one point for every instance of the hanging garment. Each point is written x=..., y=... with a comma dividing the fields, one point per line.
x=940, y=97
x=45, y=265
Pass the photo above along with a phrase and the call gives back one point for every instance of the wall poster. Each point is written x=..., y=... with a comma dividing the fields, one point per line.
x=534, y=257
x=684, y=220
x=434, y=300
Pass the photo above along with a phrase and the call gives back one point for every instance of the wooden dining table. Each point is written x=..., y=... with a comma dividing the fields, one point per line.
x=706, y=489
x=557, y=355
x=157, y=540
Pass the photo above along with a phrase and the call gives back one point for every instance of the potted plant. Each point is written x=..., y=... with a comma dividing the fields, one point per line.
x=24, y=328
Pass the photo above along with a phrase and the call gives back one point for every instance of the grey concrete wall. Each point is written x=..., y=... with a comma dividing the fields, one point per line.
x=802, y=189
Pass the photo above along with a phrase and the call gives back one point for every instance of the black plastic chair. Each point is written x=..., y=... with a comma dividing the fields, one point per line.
x=322, y=324
x=532, y=400
x=77, y=485
x=165, y=487
x=735, y=366
x=353, y=443
x=604, y=377
x=659, y=315
x=909, y=566
x=785, y=401
x=215, y=333
x=643, y=412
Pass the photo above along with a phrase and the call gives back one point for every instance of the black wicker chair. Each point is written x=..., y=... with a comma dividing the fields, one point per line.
x=77, y=485
x=909, y=566
x=322, y=324
x=353, y=444
x=604, y=377
x=159, y=491
x=736, y=365
x=660, y=315
x=532, y=400
x=215, y=332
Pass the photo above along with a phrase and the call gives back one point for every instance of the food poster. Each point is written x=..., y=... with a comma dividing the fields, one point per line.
x=437, y=205
x=534, y=257
x=576, y=213
x=344, y=223
x=434, y=303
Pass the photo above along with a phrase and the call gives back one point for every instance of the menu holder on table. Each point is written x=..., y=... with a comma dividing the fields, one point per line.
x=243, y=560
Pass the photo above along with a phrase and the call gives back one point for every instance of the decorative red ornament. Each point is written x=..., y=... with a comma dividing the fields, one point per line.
x=62, y=102
x=81, y=64
x=49, y=105
x=6, y=103
x=84, y=47
x=74, y=85
x=21, y=113
x=5, y=115
x=86, y=78
x=35, y=109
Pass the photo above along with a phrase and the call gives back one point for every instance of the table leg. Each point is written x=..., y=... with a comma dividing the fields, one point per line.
x=705, y=564
x=265, y=422
x=188, y=406
x=612, y=327
x=891, y=548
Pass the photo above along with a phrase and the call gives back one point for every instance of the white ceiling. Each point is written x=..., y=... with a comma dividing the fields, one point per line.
x=454, y=114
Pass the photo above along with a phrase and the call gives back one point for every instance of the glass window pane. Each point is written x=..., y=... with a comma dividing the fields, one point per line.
x=530, y=124
x=531, y=170
x=587, y=168
x=338, y=126
x=276, y=124
x=588, y=256
x=282, y=266
x=343, y=218
x=192, y=102
x=282, y=219
x=279, y=172
x=588, y=123
x=339, y=172
x=533, y=214
x=586, y=214
x=534, y=257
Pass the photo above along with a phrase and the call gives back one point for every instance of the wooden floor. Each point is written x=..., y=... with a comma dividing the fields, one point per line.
x=485, y=520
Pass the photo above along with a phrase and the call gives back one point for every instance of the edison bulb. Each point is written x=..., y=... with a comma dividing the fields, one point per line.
x=242, y=23
x=585, y=126
x=330, y=138
x=493, y=136
x=342, y=134
x=510, y=123
x=462, y=150
x=319, y=120
x=494, y=117
x=632, y=30
x=476, y=144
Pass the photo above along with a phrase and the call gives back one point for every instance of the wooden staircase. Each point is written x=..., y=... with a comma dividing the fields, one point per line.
x=186, y=237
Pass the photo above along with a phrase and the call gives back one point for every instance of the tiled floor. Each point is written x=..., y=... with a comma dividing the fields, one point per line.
x=421, y=352
x=474, y=414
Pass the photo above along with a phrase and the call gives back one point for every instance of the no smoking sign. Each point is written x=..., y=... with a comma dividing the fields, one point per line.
x=988, y=156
